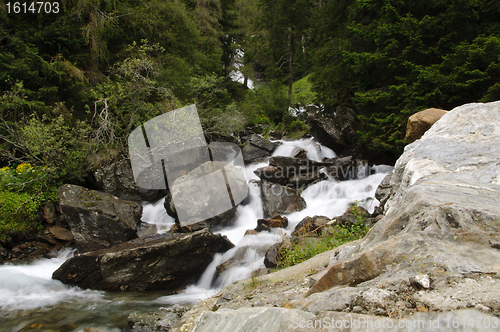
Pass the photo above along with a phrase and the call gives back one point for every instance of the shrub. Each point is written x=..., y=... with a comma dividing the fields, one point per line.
x=18, y=212
x=23, y=190
x=331, y=237
x=270, y=100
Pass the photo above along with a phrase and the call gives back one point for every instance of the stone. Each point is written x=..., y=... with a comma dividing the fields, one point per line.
x=118, y=179
x=163, y=262
x=49, y=212
x=292, y=165
x=161, y=320
x=61, y=233
x=176, y=228
x=146, y=229
x=252, y=153
x=185, y=193
x=98, y=220
x=354, y=214
x=483, y=308
x=336, y=131
x=495, y=244
x=277, y=199
x=251, y=232
x=46, y=239
x=384, y=191
x=299, y=153
x=256, y=319
x=271, y=258
x=274, y=222
x=310, y=225
x=422, y=280
x=420, y=122
x=272, y=174
x=263, y=143
x=291, y=171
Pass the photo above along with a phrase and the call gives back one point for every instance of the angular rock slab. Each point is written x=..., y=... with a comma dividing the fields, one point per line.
x=163, y=262
x=277, y=199
x=118, y=179
x=96, y=219
x=443, y=206
x=336, y=132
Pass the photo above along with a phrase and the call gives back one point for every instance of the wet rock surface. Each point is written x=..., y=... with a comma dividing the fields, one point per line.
x=336, y=131
x=162, y=262
x=215, y=187
x=162, y=320
x=256, y=148
x=274, y=222
x=277, y=199
x=97, y=219
x=310, y=225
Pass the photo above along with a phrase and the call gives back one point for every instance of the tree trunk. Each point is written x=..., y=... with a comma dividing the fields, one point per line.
x=290, y=67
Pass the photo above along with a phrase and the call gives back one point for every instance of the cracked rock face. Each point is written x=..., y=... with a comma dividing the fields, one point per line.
x=443, y=211
x=98, y=220
x=435, y=249
x=161, y=262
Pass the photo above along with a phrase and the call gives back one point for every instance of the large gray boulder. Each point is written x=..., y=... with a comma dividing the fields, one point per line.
x=118, y=179
x=336, y=130
x=96, y=219
x=442, y=206
x=430, y=264
x=278, y=199
x=268, y=319
x=162, y=262
x=256, y=148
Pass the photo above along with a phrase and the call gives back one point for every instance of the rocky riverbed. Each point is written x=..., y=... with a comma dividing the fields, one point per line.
x=433, y=258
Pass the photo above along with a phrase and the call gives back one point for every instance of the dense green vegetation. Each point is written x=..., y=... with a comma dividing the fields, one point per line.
x=389, y=59
x=326, y=238
x=74, y=84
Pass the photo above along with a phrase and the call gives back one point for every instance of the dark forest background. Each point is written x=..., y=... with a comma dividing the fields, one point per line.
x=74, y=84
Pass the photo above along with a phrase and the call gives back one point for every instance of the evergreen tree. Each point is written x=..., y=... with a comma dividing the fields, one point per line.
x=390, y=58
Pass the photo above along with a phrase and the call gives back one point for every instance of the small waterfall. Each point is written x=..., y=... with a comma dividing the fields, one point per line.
x=328, y=198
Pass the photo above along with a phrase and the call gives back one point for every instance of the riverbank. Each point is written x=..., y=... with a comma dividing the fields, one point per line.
x=432, y=257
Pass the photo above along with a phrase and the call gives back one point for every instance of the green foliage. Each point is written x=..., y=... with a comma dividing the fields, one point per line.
x=131, y=95
x=287, y=42
x=59, y=146
x=223, y=122
x=331, y=237
x=270, y=100
x=23, y=190
x=27, y=179
x=254, y=282
x=389, y=59
x=302, y=92
x=18, y=212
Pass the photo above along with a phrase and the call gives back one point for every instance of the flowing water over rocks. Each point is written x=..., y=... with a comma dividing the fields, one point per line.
x=29, y=296
x=429, y=264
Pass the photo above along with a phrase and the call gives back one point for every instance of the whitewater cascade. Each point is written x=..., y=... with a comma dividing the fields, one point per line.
x=29, y=296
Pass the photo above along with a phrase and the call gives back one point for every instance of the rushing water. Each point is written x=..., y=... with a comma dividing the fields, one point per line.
x=31, y=300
